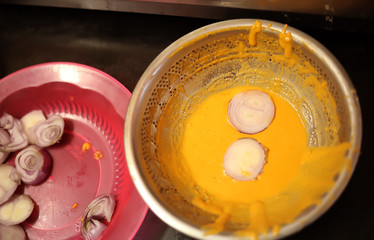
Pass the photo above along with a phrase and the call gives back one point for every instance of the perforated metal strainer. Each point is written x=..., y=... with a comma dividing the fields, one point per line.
x=217, y=57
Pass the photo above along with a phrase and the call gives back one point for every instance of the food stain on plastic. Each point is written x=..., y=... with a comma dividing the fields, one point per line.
x=74, y=206
x=85, y=147
x=98, y=155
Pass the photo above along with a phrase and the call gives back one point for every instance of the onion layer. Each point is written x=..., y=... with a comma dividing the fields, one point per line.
x=18, y=138
x=4, y=141
x=41, y=131
x=6, y=121
x=244, y=159
x=92, y=229
x=16, y=210
x=101, y=207
x=33, y=165
x=251, y=111
x=4, y=138
x=3, y=156
x=9, y=181
x=14, y=232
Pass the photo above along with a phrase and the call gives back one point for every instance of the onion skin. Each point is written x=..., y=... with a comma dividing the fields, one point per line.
x=92, y=229
x=14, y=232
x=100, y=208
x=251, y=111
x=9, y=181
x=41, y=131
x=33, y=165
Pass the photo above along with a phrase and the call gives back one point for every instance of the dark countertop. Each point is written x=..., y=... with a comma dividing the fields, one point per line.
x=124, y=44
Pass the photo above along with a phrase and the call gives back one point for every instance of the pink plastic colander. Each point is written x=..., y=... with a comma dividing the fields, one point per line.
x=93, y=105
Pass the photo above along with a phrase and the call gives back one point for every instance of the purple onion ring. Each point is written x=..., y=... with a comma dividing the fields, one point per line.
x=33, y=165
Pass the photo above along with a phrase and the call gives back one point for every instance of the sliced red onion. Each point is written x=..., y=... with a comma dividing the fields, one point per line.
x=92, y=229
x=9, y=181
x=41, y=131
x=244, y=160
x=6, y=121
x=4, y=138
x=16, y=210
x=4, y=141
x=18, y=138
x=33, y=165
x=15, y=232
x=251, y=111
x=3, y=156
x=101, y=207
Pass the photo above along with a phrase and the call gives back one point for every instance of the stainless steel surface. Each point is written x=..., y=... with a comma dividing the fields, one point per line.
x=161, y=82
x=328, y=14
x=346, y=8
x=124, y=44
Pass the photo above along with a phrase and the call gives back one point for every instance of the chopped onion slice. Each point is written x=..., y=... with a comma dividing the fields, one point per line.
x=16, y=210
x=33, y=165
x=9, y=181
x=244, y=160
x=15, y=232
x=251, y=111
x=6, y=121
x=100, y=208
x=3, y=156
x=92, y=229
x=18, y=138
x=41, y=131
x=4, y=138
x=4, y=141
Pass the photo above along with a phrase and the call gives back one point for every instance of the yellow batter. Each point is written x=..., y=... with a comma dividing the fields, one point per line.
x=291, y=180
x=208, y=134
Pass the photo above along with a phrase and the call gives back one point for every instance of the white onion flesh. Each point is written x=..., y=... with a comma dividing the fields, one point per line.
x=41, y=131
x=9, y=181
x=14, y=232
x=33, y=165
x=244, y=160
x=29, y=120
x=251, y=111
x=16, y=210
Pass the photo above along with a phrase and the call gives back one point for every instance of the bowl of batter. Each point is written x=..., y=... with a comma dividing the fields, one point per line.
x=242, y=129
